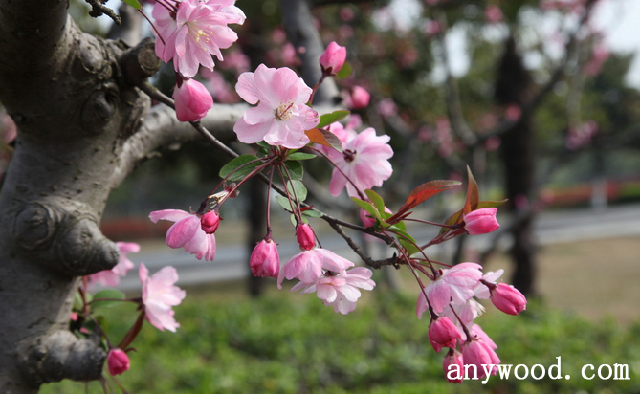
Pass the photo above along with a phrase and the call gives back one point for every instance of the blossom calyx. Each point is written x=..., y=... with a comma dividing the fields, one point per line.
x=210, y=222
x=508, y=299
x=481, y=221
x=264, y=259
x=306, y=237
x=117, y=362
x=332, y=59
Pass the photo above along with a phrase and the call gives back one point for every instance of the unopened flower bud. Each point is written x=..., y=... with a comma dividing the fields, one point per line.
x=332, y=59
x=210, y=222
x=479, y=353
x=443, y=333
x=264, y=259
x=117, y=361
x=481, y=221
x=453, y=375
x=192, y=100
x=358, y=98
x=306, y=237
x=508, y=299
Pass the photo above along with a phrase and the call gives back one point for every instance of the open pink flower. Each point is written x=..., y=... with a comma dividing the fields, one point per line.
x=111, y=278
x=159, y=294
x=339, y=290
x=364, y=159
x=192, y=100
x=187, y=233
x=199, y=30
x=455, y=286
x=309, y=265
x=117, y=362
x=281, y=116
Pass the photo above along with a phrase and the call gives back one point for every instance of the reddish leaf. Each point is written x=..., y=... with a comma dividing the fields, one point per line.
x=421, y=194
x=471, y=202
x=324, y=137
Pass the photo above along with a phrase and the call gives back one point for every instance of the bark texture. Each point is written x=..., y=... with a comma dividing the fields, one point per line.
x=83, y=126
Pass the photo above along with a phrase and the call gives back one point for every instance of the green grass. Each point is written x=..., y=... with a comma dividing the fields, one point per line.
x=274, y=345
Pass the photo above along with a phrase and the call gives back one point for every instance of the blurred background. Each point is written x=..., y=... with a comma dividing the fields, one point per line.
x=539, y=98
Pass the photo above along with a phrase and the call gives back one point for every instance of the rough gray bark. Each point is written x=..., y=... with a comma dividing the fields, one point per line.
x=82, y=128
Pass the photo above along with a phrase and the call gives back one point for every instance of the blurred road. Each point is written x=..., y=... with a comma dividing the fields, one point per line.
x=231, y=261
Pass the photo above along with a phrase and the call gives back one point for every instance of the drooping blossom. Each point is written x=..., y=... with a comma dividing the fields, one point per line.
x=192, y=100
x=339, y=290
x=455, y=286
x=508, y=299
x=332, y=59
x=481, y=221
x=210, y=222
x=117, y=362
x=357, y=98
x=443, y=333
x=364, y=160
x=195, y=32
x=111, y=278
x=305, y=236
x=281, y=116
x=187, y=233
x=264, y=259
x=453, y=374
x=159, y=294
x=307, y=266
x=477, y=352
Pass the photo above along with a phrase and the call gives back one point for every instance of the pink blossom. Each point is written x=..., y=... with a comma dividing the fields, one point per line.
x=453, y=375
x=199, y=31
x=281, y=116
x=210, y=222
x=339, y=289
x=308, y=266
x=481, y=221
x=513, y=112
x=192, y=100
x=364, y=160
x=493, y=14
x=455, y=285
x=482, y=290
x=332, y=59
x=117, y=362
x=387, y=107
x=159, y=294
x=237, y=61
x=219, y=87
x=508, y=299
x=187, y=233
x=443, y=333
x=477, y=352
x=599, y=55
x=264, y=259
x=8, y=129
x=306, y=237
x=111, y=278
x=357, y=98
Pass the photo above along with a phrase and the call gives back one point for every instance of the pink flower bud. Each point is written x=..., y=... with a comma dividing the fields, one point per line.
x=332, y=59
x=117, y=361
x=210, y=222
x=481, y=221
x=358, y=98
x=443, y=333
x=264, y=259
x=453, y=375
x=192, y=100
x=508, y=299
x=478, y=352
x=306, y=237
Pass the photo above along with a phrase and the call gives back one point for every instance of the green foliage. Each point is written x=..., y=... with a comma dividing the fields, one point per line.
x=277, y=345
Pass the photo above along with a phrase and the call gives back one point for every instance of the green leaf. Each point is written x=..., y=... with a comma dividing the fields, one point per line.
x=283, y=202
x=375, y=198
x=312, y=213
x=365, y=205
x=264, y=145
x=300, y=190
x=294, y=221
x=295, y=170
x=238, y=168
x=335, y=116
x=113, y=296
x=345, y=71
x=133, y=3
x=301, y=156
